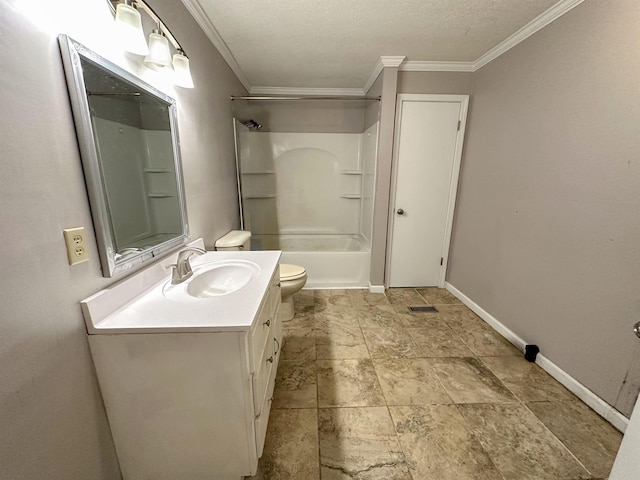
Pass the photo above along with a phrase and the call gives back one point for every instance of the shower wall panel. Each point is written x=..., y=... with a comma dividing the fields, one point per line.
x=369, y=150
x=295, y=183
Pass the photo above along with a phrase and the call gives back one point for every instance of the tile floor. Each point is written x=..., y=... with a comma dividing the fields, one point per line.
x=366, y=390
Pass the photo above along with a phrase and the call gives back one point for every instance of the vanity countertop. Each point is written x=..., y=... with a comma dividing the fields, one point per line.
x=137, y=304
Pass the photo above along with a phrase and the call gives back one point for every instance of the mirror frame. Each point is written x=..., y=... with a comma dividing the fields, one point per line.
x=72, y=52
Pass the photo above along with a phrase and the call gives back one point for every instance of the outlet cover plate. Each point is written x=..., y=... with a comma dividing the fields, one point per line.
x=75, y=240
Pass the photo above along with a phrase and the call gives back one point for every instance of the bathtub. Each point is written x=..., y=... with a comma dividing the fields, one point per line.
x=331, y=261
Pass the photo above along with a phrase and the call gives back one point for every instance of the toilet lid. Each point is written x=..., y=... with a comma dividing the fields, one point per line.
x=291, y=272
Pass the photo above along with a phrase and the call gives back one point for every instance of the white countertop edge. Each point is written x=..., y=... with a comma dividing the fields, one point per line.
x=181, y=329
x=127, y=306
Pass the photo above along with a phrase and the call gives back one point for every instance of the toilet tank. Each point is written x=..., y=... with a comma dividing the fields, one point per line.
x=234, y=240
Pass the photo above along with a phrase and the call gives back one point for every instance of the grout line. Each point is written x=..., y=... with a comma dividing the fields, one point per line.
x=315, y=343
x=500, y=380
x=395, y=430
x=518, y=400
x=558, y=439
x=477, y=439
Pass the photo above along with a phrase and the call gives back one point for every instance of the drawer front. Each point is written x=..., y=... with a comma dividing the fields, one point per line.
x=263, y=419
x=260, y=334
x=265, y=345
x=264, y=380
x=262, y=329
x=262, y=376
x=274, y=290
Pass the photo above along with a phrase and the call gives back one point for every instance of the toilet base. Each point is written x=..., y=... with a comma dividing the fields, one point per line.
x=287, y=310
x=287, y=289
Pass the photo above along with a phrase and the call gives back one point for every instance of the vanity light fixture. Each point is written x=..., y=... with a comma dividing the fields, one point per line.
x=157, y=52
x=129, y=29
x=182, y=73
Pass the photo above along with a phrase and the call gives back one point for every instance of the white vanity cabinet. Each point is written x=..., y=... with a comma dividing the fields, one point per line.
x=191, y=403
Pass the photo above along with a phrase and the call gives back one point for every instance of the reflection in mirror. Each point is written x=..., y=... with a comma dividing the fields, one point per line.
x=127, y=133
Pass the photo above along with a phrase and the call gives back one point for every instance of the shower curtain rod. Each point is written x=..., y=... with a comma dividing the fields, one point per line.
x=305, y=97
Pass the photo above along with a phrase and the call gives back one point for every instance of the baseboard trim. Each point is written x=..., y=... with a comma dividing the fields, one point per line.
x=603, y=409
x=376, y=288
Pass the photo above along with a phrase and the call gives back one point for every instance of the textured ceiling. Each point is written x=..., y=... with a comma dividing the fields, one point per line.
x=337, y=43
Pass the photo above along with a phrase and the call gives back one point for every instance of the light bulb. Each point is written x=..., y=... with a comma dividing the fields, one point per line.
x=159, y=53
x=182, y=73
x=129, y=31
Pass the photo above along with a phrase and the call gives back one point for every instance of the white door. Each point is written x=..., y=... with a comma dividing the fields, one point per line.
x=427, y=152
x=627, y=464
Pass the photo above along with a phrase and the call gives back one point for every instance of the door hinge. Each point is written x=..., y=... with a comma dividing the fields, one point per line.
x=441, y=260
x=459, y=124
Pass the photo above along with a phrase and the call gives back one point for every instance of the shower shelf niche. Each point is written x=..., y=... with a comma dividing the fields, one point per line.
x=256, y=197
x=160, y=195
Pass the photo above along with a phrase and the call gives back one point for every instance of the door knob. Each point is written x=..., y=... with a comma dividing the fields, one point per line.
x=400, y=211
x=636, y=329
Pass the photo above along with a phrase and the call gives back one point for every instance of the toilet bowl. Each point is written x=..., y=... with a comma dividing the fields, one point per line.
x=292, y=277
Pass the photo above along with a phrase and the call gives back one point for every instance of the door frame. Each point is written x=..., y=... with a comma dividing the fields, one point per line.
x=453, y=191
x=627, y=461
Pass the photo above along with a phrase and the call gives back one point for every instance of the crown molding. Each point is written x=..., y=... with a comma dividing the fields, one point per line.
x=201, y=18
x=377, y=70
x=538, y=23
x=393, y=61
x=383, y=62
x=418, y=66
x=398, y=61
x=302, y=91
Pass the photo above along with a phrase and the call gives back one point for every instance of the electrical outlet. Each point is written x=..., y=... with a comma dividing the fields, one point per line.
x=76, y=245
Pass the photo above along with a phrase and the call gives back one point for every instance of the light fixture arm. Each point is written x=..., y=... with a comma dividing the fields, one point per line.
x=140, y=4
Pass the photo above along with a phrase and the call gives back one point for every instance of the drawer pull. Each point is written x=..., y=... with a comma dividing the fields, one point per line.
x=270, y=359
x=278, y=344
x=267, y=323
x=278, y=284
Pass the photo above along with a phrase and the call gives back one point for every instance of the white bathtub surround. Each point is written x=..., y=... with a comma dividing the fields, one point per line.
x=311, y=196
x=331, y=261
x=605, y=410
x=368, y=156
x=301, y=182
x=125, y=180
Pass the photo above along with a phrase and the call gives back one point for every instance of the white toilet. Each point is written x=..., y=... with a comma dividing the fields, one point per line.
x=292, y=277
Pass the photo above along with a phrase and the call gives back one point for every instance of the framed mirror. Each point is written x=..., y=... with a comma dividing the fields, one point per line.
x=128, y=138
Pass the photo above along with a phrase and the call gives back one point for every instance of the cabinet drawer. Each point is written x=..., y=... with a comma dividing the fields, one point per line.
x=265, y=321
x=263, y=419
x=274, y=290
x=264, y=372
x=259, y=335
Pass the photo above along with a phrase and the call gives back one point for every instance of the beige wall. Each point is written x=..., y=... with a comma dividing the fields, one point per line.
x=51, y=415
x=305, y=116
x=547, y=230
x=372, y=114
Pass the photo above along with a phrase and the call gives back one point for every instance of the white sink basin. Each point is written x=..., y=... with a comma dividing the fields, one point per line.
x=213, y=279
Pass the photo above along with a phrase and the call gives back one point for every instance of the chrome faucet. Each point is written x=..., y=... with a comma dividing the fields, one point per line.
x=182, y=267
